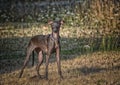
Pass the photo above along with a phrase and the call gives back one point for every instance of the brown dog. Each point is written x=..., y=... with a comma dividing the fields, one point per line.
x=47, y=44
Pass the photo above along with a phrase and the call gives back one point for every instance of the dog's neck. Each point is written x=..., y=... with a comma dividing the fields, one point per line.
x=55, y=36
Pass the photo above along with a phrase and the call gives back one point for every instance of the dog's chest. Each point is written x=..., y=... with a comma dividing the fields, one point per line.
x=51, y=46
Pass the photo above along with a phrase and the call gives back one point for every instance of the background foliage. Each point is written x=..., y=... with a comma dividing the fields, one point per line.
x=94, y=23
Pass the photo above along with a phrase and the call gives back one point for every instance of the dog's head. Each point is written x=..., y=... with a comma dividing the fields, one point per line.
x=55, y=25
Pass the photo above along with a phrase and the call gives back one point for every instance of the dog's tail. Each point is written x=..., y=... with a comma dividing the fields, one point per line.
x=33, y=58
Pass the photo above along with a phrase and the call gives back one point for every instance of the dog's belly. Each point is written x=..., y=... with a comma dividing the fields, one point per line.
x=43, y=43
x=45, y=50
x=38, y=49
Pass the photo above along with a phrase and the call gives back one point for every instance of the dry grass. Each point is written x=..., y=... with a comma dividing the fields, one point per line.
x=101, y=68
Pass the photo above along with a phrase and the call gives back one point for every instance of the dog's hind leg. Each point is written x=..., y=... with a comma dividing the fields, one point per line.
x=40, y=59
x=30, y=48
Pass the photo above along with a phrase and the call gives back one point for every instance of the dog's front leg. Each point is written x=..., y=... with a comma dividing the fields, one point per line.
x=58, y=61
x=47, y=63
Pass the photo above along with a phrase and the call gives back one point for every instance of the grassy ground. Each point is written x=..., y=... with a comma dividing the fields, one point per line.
x=100, y=68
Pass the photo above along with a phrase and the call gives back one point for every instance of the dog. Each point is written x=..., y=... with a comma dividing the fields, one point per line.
x=47, y=44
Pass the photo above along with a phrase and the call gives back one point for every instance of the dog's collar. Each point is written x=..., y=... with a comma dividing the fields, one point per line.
x=51, y=37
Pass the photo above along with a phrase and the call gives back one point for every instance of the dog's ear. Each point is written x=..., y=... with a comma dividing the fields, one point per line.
x=62, y=22
x=50, y=22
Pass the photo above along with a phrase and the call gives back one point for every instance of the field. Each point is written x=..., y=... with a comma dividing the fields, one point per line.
x=86, y=58
x=100, y=68
x=90, y=42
